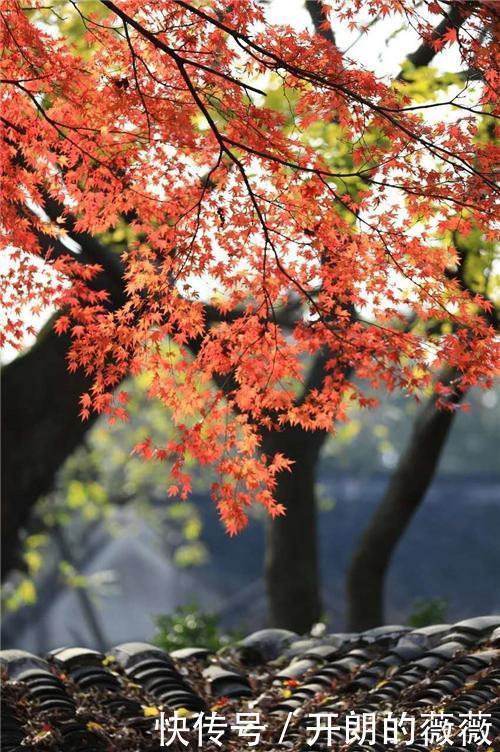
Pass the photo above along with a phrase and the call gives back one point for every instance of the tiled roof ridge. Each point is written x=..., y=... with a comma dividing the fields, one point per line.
x=76, y=699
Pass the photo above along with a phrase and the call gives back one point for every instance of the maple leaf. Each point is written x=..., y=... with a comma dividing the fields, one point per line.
x=62, y=324
x=450, y=35
x=86, y=400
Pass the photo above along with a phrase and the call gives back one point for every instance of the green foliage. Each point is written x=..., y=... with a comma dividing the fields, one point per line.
x=71, y=576
x=282, y=99
x=424, y=83
x=428, y=611
x=371, y=440
x=188, y=626
x=101, y=474
x=342, y=155
x=481, y=271
x=22, y=592
x=324, y=499
x=105, y=472
x=63, y=17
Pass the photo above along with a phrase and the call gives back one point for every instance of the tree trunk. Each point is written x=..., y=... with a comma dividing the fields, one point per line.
x=405, y=493
x=40, y=429
x=291, y=561
x=41, y=425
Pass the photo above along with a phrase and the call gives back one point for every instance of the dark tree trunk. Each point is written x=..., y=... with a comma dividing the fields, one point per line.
x=291, y=563
x=40, y=429
x=405, y=493
x=41, y=425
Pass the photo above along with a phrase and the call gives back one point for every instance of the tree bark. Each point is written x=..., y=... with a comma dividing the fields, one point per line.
x=41, y=425
x=40, y=429
x=404, y=495
x=291, y=560
x=424, y=54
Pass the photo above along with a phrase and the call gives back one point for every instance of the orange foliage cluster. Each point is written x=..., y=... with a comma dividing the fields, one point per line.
x=163, y=123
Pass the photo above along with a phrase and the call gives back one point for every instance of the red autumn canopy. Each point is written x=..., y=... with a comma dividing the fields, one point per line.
x=253, y=240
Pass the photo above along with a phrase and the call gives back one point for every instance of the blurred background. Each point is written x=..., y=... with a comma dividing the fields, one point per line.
x=107, y=552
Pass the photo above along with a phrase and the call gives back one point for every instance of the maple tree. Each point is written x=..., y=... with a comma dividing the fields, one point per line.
x=322, y=263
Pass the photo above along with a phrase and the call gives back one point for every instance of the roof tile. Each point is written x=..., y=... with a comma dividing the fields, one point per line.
x=79, y=699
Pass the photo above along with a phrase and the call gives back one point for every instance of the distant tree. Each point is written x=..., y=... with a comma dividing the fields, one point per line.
x=164, y=124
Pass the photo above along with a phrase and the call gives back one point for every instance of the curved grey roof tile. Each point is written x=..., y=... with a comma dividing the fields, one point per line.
x=79, y=699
